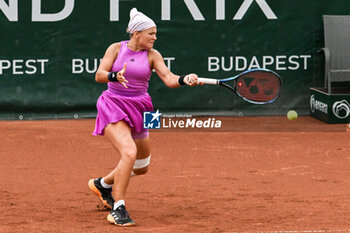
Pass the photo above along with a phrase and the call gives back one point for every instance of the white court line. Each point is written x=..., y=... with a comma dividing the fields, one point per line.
x=303, y=231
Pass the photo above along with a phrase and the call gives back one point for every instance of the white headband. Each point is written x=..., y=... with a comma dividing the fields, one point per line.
x=139, y=21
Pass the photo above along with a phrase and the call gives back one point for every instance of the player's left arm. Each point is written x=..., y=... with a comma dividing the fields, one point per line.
x=169, y=79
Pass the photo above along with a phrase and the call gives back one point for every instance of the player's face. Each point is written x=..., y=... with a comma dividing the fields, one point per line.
x=148, y=37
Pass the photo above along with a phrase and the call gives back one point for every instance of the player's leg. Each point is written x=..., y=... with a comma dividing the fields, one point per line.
x=143, y=158
x=103, y=186
x=140, y=167
x=120, y=135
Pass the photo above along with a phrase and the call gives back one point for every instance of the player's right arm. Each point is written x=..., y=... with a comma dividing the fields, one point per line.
x=107, y=63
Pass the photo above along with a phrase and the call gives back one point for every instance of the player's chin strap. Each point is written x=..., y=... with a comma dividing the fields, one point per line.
x=141, y=163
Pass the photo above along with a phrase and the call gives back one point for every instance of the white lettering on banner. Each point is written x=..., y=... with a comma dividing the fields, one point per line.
x=318, y=105
x=195, y=12
x=322, y=107
x=280, y=60
x=220, y=9
x=254, y=63
x=40, y=17
x=4, y=64
x=168, y=61
x=191, y=6
x=19, y=66
x=10, y=10
x=114, y=10
x=240, y=63
x=239, y=58
x=90, y=65
x=230, y=67
x=291, y=61
x=268, y=60
x=79, y=65
x=263, y=6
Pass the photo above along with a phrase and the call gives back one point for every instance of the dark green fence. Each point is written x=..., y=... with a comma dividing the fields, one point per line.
x=50, y=50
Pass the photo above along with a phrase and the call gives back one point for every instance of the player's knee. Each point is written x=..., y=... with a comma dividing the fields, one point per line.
x=129, y=154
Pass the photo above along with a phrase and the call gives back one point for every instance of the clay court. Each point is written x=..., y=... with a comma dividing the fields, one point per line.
x=263, y=174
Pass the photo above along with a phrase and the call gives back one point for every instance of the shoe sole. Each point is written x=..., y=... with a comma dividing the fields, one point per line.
x=98, y=193
x=111, y=220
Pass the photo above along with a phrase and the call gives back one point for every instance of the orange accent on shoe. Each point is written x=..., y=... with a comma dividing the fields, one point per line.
x=98, y=193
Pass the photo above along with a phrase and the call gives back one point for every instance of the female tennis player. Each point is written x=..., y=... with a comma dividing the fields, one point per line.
x=127, y=68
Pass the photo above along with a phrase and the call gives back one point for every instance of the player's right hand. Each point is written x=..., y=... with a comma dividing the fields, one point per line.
x=192, y=80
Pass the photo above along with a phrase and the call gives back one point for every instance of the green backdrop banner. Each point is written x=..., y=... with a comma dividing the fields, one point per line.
x=50, y=51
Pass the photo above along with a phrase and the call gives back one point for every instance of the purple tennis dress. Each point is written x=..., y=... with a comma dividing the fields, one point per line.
x=119, y=103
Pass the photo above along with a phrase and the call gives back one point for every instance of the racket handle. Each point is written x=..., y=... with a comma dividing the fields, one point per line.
x=210, y=81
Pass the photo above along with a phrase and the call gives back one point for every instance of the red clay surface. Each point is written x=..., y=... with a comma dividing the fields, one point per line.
x=266, y=175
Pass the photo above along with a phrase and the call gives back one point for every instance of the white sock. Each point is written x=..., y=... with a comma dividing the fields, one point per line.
x=118, y=203
x=132, y=174
x=106, y=186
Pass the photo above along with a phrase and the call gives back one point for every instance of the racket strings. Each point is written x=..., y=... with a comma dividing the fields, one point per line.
x=258, y=86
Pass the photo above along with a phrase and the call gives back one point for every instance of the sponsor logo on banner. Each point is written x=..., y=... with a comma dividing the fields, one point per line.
x=318, y=105
x=312, y=103
x=341, y=109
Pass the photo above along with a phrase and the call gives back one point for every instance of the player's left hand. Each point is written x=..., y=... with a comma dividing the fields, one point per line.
x=191, y=80
x=121, y=78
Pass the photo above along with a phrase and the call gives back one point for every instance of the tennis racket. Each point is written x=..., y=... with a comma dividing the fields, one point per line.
x=257, y=86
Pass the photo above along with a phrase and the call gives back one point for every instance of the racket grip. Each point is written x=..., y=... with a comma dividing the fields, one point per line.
x=210, y=81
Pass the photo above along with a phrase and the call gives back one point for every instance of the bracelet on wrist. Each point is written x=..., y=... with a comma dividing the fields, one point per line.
x=181, y=80
x=112, y=77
